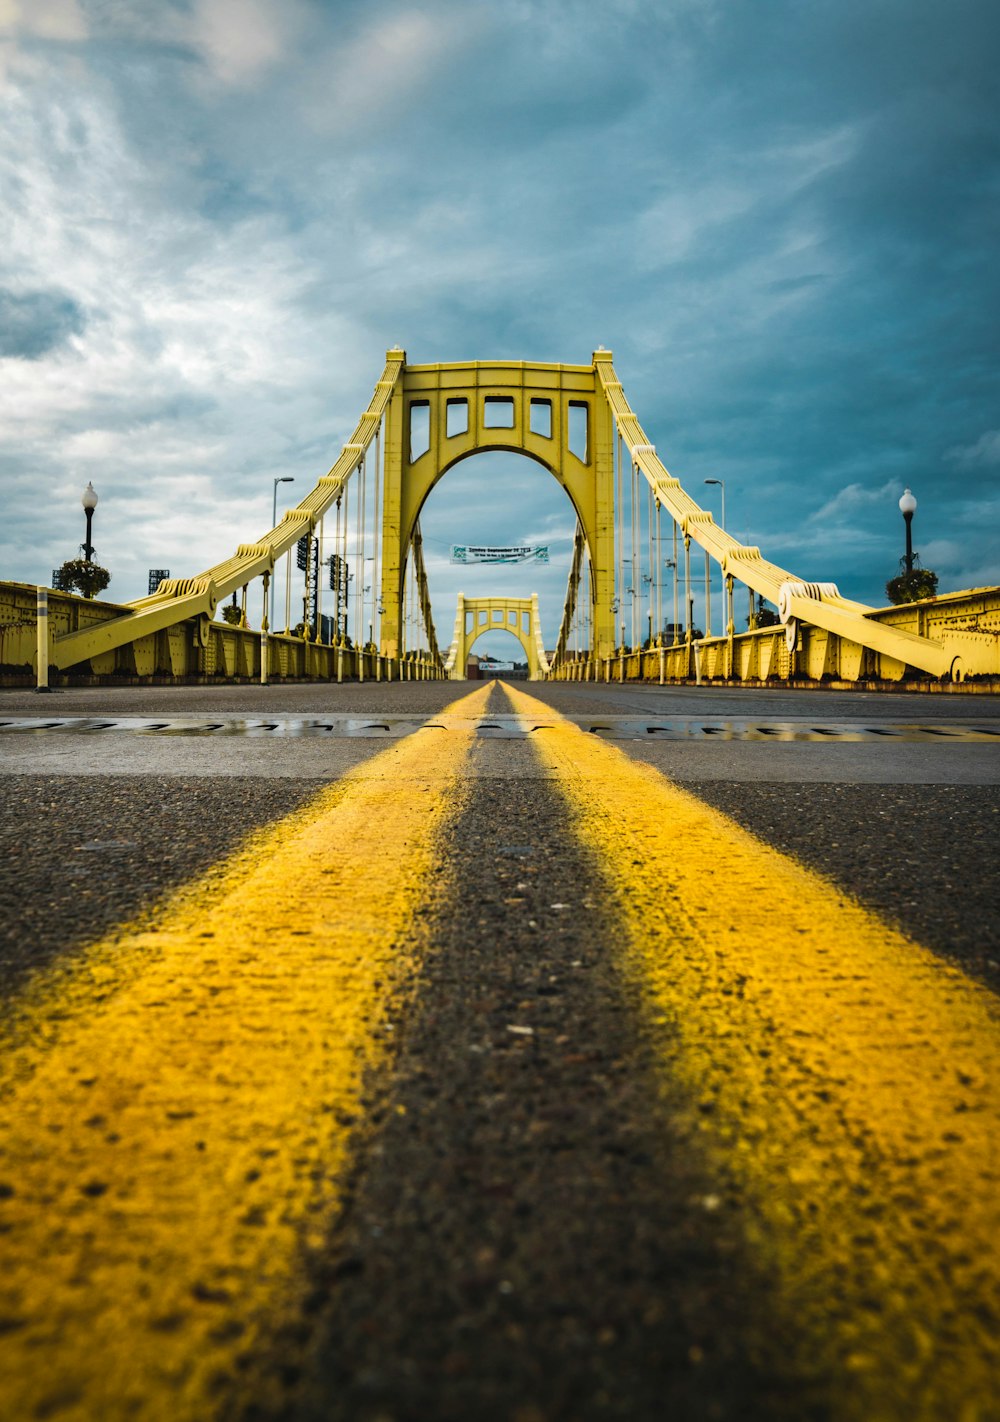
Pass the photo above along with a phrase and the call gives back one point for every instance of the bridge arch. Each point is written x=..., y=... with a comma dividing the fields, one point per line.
x=468, y=457
x=476, y=616
x=439, y=415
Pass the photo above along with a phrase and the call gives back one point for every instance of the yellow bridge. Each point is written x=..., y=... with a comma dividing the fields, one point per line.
x=576, y=422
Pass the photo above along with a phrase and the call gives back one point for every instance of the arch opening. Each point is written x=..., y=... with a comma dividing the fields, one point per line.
x=494, y=650
x=498, y=498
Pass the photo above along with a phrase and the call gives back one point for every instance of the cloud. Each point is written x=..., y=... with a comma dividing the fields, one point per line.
x=381, y=67
x=184, y=321
x=854, y=499
x=983, y=454
x=45, y=19
x=36, y=322
x=36, y=21
x=240, y=39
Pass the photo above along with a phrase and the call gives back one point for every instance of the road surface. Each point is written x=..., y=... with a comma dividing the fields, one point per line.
x=526, y=1052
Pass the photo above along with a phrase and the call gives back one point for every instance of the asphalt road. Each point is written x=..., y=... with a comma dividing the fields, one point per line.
x=909, y=826
x=524, y=1232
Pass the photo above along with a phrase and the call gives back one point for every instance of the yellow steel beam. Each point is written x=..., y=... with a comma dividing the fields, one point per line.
x=193, y=597
x=587, y=480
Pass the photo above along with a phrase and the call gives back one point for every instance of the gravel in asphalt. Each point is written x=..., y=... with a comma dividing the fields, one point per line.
x=526, y=1238
x=925, y=856
x=80, y=855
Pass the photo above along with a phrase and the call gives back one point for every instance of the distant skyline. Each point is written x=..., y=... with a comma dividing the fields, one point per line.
x=217, y=215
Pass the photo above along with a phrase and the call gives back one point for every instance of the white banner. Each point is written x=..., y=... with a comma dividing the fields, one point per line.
x=475, y=553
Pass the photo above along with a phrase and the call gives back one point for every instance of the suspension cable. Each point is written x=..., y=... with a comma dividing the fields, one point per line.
x=359, y=555
x=620, y=561
x=576, y=616
x=288, y=591
x=636, y=555
x=377, y=544
x=588, y=612
x=408, y=602
x=319, y=584
x=659, y=575
x=649, y=552
x=367, y=611
x=677, y=578
x=346, y=595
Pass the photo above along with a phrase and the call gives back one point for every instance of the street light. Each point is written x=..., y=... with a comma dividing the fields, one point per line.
x=908, y=507
x=722, y=485
x=671, y=563
x=280, y=479
x=89, y=502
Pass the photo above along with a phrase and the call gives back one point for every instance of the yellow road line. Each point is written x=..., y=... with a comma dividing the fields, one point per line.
x=177, y=1105
x=843, y=1080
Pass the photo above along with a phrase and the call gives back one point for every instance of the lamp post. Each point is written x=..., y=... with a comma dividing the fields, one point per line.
x=89, y=502
x=908, y=507
x=279, y=479
x=671, y=563
x=722, y=485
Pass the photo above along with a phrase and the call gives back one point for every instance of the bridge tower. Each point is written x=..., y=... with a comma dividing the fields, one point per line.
x=558, y=415
x=478, y=615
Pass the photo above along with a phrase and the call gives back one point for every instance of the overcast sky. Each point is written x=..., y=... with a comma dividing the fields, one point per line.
x=782, y=217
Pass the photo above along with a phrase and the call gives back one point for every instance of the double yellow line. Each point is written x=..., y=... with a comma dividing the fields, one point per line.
x=179, y=1104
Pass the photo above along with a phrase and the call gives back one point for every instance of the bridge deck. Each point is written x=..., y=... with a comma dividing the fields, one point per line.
x=606, y=1052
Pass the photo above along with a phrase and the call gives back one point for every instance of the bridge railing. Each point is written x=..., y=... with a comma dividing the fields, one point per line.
x=196, y=650
x=818, y=656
